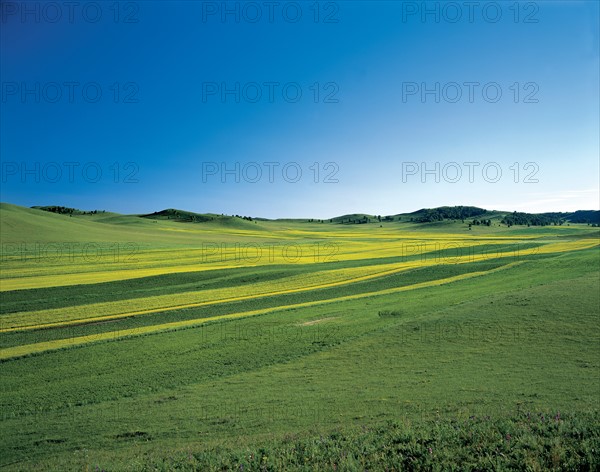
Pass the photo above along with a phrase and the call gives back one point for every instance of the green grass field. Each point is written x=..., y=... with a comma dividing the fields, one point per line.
x=132, y=343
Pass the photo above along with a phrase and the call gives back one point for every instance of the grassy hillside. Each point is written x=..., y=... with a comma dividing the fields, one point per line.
x=425, y=215
x=155, y=344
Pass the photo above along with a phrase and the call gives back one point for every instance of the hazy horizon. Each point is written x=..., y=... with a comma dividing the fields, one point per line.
x=321, y=108
x=109, y=210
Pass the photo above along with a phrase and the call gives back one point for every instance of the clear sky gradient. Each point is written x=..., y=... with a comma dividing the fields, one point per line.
x=134, y=106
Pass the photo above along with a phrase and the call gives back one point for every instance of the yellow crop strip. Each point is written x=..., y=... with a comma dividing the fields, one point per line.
x=323, y=279
x=37, y=348
x=296, y=284
x=28, y=271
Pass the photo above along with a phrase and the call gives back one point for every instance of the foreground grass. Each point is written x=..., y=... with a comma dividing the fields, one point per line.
x=536, y=441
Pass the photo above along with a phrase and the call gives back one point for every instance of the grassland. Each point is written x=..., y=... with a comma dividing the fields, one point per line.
x=132, y=343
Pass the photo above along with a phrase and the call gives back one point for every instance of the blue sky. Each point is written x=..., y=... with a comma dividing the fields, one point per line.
x=132, y=106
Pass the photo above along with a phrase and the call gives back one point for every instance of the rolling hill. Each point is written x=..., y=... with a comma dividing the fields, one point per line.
x=424, y=215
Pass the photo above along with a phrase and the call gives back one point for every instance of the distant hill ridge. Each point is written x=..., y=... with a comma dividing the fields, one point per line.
x=476, y=216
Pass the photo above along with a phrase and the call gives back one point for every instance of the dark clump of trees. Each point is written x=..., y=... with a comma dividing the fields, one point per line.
x=449, y=213
x=356, y=221
x=62, y=210
x=529, y=219
x=200, y=218
x=476, y=222
x=590, y=217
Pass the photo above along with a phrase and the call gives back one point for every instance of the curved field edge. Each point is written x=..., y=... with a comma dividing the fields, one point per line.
x=292, y=284
x=405, y=278
x=132, y=289
x=19, y=351
x=92, y=327
x=30, y=278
